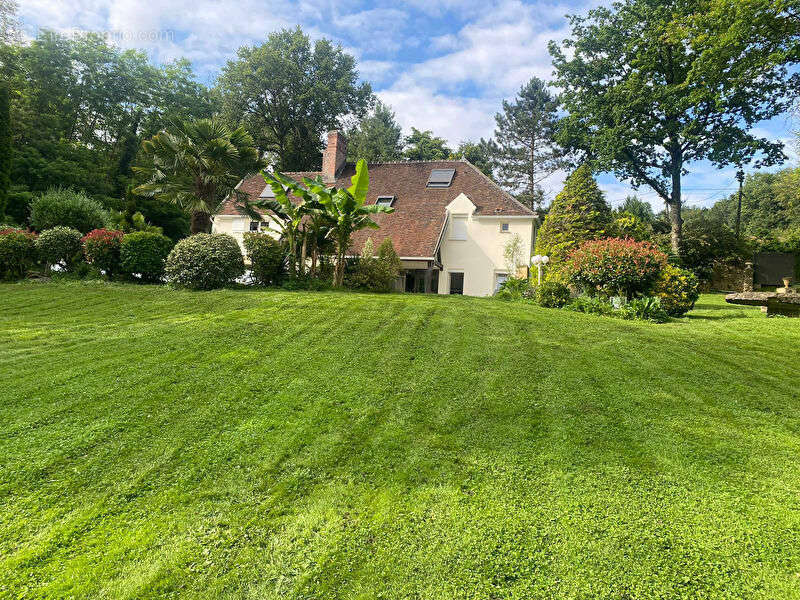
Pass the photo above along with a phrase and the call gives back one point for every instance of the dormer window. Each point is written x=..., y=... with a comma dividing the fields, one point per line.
x=441, y=178
x=385, y=200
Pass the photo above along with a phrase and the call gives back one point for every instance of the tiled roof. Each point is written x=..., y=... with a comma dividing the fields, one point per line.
x=417, y=221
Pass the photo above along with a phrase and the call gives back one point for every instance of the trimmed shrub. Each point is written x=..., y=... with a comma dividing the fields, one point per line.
x=60, y=246
x=267, y=258
x=145, y=253
x=102, y=248
x=578, y=213
x=66, y=208
x=205, y=261
x=615, y=267
x=376, y=274
x=17, y=253
x=551, y=294
x=677, y=290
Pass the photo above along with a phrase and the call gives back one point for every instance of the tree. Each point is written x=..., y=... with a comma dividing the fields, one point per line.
x=197, y=165
x=480, y=154
x=526, y=150
x=377, y=138
x=638, y=208
x=5, y=150
x=423, y=145
x=644, y=103
x=579, y=213
x=287, y=94
x=345, y=208
x=9, y=24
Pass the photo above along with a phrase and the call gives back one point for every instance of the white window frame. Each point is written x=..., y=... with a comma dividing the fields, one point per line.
x=497, y=282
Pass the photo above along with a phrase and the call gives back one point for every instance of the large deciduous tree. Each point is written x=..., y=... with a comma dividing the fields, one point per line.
x=376, y=138
x=287, y=93
x=526, y=150
x=5, y=150
x=423, y=145
x=197, y=165
x=481, y=154
x=648, y=92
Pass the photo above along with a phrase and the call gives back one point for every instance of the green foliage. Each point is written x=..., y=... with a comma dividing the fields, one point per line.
x=17, y=253
x=423, y=145
x=707, y=240
x=579, y=213
x=287, y=93
x=60, y=206
x=144, y=253
x=626, y=225
x=526, y=151
x=677, y=289
x=60, y=246
x=205, y=261
x=5, y=149
x=376, y=138
x=81, y=104
x=649, y=91
x=515, y=288
x=615, y=267
x=638, y=208
x=552, y=294
x=480, y=154
x=647, y=308
x=102, y=250
x=267, y=258
x=375, y=274
x=197, y=165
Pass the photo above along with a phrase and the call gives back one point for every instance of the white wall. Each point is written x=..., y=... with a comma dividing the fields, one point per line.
x=237, y=226
x=480, y=256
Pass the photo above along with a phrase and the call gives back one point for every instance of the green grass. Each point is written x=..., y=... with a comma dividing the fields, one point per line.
x=259, y=444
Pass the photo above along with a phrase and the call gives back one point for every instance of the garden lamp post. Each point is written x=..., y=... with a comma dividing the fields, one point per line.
x=540, y=260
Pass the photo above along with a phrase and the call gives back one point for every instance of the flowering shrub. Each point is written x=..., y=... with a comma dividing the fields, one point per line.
x=677, y=290
x=144, y=253
x=102, y=249
x=205, y=261
x=17, y=253
x=614, y=266
x=60, y=246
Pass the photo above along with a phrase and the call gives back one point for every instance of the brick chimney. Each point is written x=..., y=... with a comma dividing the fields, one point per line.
x=334, y=156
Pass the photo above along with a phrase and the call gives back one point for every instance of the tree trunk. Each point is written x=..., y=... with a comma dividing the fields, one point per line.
x=303, y=253
x=675, y=218
x=201, y=222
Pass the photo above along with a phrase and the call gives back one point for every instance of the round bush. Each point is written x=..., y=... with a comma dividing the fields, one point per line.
x=17, y=253
x=145, y=253
x=267, y=258
x=615, y=267
x=677, y=290
x=67, y=208
x=102, y=248
x=59, y=246
x=205, y=261
x=552, y=294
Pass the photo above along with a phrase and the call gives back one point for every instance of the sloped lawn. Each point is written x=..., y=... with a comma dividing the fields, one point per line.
x=251, y=444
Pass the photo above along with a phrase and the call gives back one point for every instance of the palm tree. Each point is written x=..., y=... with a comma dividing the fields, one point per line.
x=197, y=165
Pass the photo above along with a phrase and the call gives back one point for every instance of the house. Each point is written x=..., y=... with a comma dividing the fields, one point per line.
x=450, y=225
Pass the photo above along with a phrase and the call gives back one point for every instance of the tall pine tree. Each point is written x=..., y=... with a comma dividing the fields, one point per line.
x=579, y=213
x=527, y=153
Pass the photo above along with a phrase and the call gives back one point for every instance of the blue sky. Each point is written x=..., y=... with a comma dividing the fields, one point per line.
x=443, y=65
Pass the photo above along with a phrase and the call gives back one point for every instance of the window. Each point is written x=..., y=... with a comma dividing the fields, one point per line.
x=253, y=225
x=499, y=279
x=385, y=200
x=441, y=178
x=267, y=192
x=505, y=227
x=457, y=283
x=264, y=226
x=458, y=228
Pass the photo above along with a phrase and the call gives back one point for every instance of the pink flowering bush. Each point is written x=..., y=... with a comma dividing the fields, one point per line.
x=615, y=267
x=102, y=249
